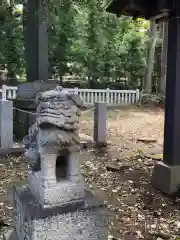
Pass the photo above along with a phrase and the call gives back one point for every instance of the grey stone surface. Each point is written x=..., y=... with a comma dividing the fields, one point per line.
x=75, y=221
x=64, y=182
x=100, y=123
x=6, y=124
x=29, y=90
x=56, y=125
x=166, y=178
x=52, y=139
x=56, y=193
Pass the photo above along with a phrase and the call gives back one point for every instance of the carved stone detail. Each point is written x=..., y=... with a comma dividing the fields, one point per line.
x=56, y=126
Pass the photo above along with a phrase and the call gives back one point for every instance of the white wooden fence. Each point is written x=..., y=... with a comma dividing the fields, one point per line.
x=8, y=92
x=111, y=97
x=89, y=96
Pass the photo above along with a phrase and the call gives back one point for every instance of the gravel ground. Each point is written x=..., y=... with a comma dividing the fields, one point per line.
x=120, y=175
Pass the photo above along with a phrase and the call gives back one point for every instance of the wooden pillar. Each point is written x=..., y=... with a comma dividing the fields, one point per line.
x=166, y=175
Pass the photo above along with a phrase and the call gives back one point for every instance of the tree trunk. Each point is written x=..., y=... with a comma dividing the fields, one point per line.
x=150, y=57
x=162, y=83
x=60, y=79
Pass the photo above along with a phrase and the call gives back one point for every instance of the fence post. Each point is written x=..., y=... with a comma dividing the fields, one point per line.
x=108, y=96
x=6, y=124
x=4, y=93
x=76, y=90
x=137, y=95
x=100, y=124
x=14, y=94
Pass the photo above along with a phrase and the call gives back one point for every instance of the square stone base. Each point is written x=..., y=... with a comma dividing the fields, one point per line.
x=166, y=178
x=63, y=191
x=86, y=220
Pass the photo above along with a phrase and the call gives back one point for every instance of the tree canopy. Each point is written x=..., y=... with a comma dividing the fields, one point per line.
x=83, y=39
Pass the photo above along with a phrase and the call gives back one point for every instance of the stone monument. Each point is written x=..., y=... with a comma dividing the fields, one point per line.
x=54, y=205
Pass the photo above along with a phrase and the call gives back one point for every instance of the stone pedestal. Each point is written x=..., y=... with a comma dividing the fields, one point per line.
x=84, y=220
x=57, y=208
x=64, y=185
x=63, y=192
x=6, y=124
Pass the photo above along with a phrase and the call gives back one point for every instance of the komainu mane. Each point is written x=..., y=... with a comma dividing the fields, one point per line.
x=56, y=126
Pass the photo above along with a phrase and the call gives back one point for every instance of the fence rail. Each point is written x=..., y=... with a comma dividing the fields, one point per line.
x=88, y=96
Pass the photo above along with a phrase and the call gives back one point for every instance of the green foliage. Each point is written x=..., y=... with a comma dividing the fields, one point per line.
x=83, y=40
x=61, y=32
x=152, y=100
x=11, y=41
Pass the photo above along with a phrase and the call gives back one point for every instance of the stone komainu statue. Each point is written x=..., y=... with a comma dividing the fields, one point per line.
x=56, y=126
